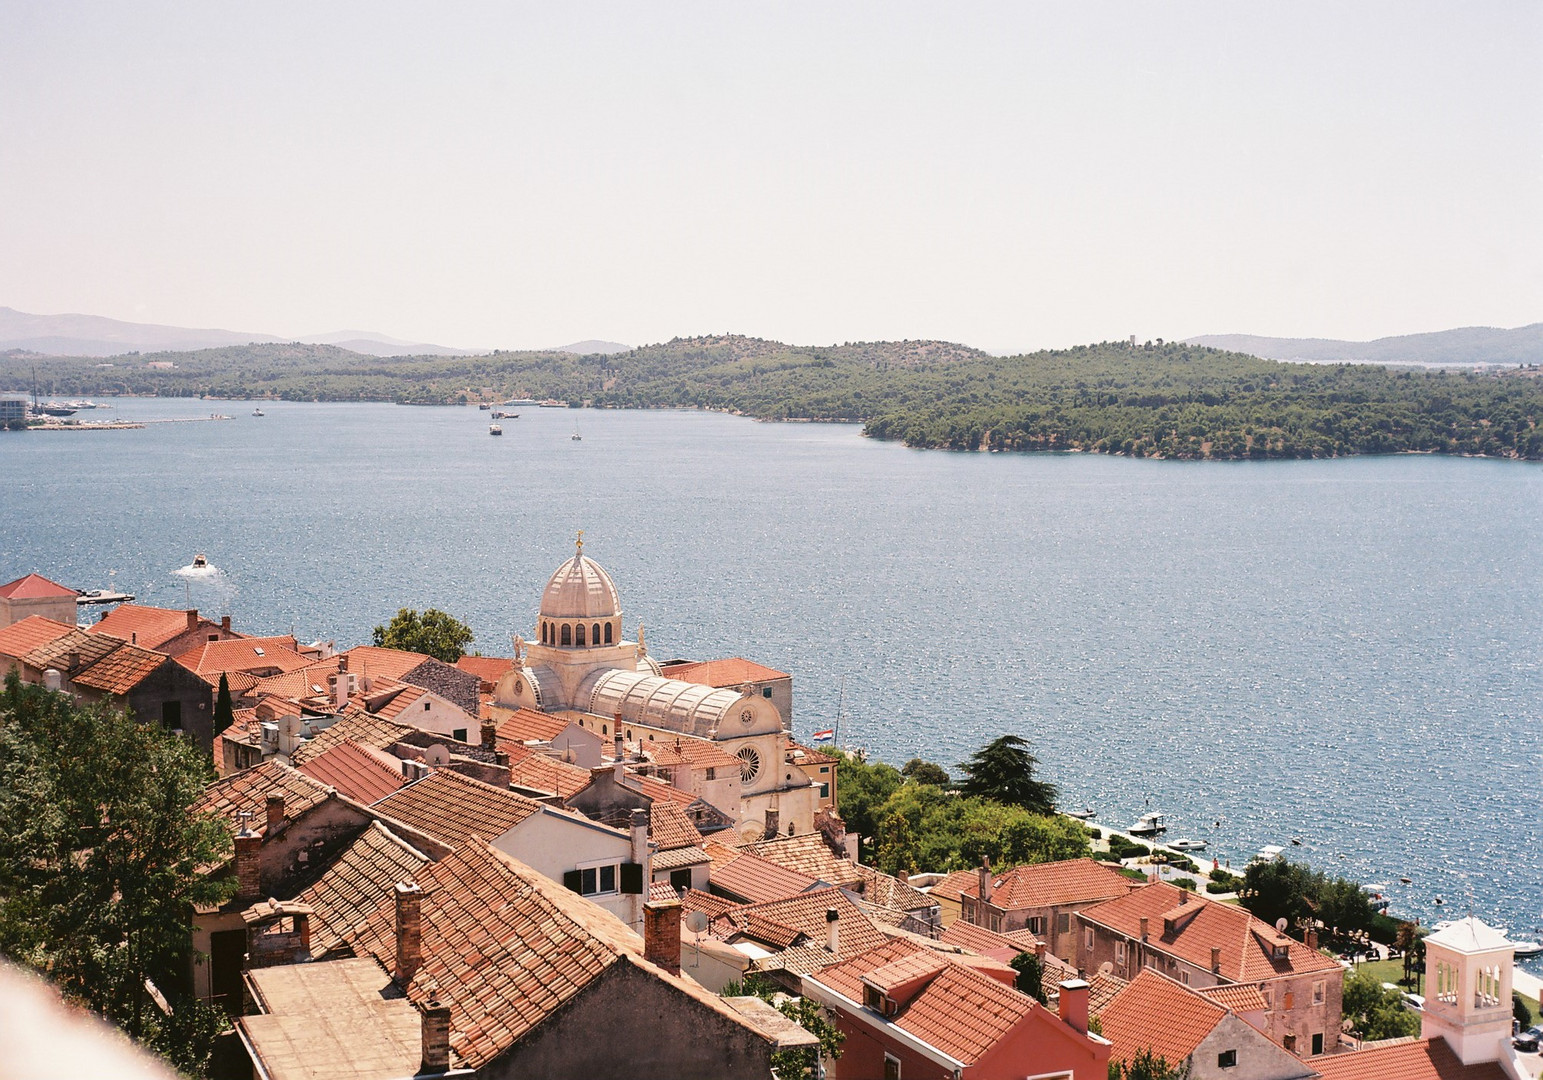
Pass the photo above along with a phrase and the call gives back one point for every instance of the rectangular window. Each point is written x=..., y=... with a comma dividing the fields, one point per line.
x=459, y=734
x=680, y=879
x=1317, y=1043
x=1318, y=992
x=824, y=791
x=1184, y=977
x=766, y=691
x=824, y=768
x=426, y=706
x=872, y=998
x=1119, y=952
x=891, y=1067
x=1036, y=925
x=1063, y=922
x=1087, y=939
x=1290, y=1043
x=608, y=879
x=1227, y=1059
x=996, y=922
x=1268, y=993
x=595, y=880
x=712, y=773
x=171, y=715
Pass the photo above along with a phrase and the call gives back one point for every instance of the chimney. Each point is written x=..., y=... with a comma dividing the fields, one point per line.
x=133, y=637
x=73, y=661
x=225, y=624
x=275, y=813
x=340, y=691
x=248, y=866
x=1312, y=937
x=639, y=822
x=342, y=661
x=51, y=679
x=1144, y=923
x=1040, y=949
x=773, y=823
x=621, y=751
x=409, y=931
x=833, y=931
x=192, y=618
x=1216, y=959
x=1074, y=1005
x=1183, y=897
x=436, y=1037
x=489, y=734
x=302, y=934
x=661, y=934
x=985, y=880
x=902, y=877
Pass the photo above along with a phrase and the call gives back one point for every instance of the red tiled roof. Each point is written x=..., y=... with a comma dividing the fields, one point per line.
x=394, y=706
x=692, y=752
x=374, y=661
x=245, y=654
x=509, y=948
x=729, y=671
x=524, y=725
x=752, y=877
x=980, y=940
x=34, y=587
x=657, y=789
x=121, y=670
x=487, y=668
x=31, y=633
x=357, y=882
x=453, y=808
x=960, y=1011
x=1239, y=997
x=807, y=853
x=1041, y=885
x=56, y=653
x=1424, y=1059
x=146, y=626
x=710, y=905
x=1240, y=937
x=543, y=773
x=806, y=914
x=249, y=791
x=301, y=683
x=670, y=827
x=353, y=771
x=367, y=731
x=1155, y=1013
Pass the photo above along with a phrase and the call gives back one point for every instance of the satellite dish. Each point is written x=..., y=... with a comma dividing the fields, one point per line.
x=437, y=755
x=1280, y=924
x=696, y=922
x=1106, y=968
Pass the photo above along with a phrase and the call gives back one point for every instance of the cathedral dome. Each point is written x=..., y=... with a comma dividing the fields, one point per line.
x=580, y=589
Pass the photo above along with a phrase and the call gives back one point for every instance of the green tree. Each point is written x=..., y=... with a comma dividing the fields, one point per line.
x=807, y=1014
x=1031, y=976
x=224, y=711
x=897, y=846
x=1147, y=1066
x=1375, y=1012
x=1275, y=889
x=1003, y=770
x=1407, y=937
x=863, y=789
x=925, y=772
x=101, y=861
x=434, y=633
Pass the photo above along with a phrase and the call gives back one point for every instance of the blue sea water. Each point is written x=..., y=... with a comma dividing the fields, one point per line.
x=1342, y=652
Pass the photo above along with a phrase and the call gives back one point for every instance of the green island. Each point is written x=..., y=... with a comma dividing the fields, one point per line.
x=1162, y=399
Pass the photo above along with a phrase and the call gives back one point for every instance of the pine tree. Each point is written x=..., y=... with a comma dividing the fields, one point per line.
x=1003, y=770
x=224, y=711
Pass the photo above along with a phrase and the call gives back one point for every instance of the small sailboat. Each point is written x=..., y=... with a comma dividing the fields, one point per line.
x=258, y=412
x=576, y=437
x=494, y=429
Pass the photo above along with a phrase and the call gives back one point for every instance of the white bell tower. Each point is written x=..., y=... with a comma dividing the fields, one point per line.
x=1468, y=990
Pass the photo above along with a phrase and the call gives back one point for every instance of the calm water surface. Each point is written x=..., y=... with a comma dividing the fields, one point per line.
x=1344, y=652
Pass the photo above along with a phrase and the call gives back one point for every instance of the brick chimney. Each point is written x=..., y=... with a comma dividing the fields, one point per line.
x=225, y=624
x=248, y=866
x=73, y=661
x=436, y=1037
x=661, y=934
x=985, y=880
x=903, y=877
x=409, y=932
x=1145, y=922
x=1312, y=937
x=620, y=750
x=1074, y=1005
x=192, y=618
x=275, y=807
x=773, y=823
x=489, y=734
x=833, y=931
x=1216, y=959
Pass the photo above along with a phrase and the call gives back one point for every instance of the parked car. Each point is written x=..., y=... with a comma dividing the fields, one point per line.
x=1527, y=1041
x=1415, y=1001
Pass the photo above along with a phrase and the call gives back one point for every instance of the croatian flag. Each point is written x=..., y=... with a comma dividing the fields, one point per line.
x=825, y=736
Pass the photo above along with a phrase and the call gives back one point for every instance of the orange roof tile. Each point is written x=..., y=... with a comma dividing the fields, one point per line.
x=670, y=827
x=33, y=587
x=121, y=670
x=1041, y=885
x=56, y=653
x=806, y=914
x=31, y=633
x=678, y=858
x=691, y=752
x=367, y=731
x=1240, y=937
x=543, y=773
x=249, y=790
x=1424, y=1059
x=453, y=808
x=526, y=725
x=303, y=682
x=354, y=771
x=487, y=668
x=729, y=671
x=375, y=661
x=509, y=948
x=960, y=1011
x=807, y=853
x=357, y=882
x=146, y=626
x=710, y=905
x=401, y=697
x=980, y=940
x=1155, y=1013
x=1239, y=997
x=245, y=654
x=752, y=877
x=657, y=789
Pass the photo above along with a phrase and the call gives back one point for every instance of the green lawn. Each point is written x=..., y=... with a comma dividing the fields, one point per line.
x=1392, y=971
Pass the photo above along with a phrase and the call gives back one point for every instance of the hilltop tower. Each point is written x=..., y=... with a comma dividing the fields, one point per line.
x=1468, y=990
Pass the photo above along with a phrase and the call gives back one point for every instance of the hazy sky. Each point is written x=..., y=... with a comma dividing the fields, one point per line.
x=1007, y=175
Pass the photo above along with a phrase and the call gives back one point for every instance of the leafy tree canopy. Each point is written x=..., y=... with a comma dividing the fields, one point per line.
x=791, y=1064
x=434, y=633
x=1003, y=770
x=1147, y=1066
x=1280, y=889
x=925, y=772
x=1375, y=1012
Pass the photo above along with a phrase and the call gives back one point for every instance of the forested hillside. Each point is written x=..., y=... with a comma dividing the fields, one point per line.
x=1169, y=400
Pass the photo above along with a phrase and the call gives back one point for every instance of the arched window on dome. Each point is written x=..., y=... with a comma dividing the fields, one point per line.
x=567, y=634
x=578, y=635
x=594, y=636
x=608, y=633
x=544, y=640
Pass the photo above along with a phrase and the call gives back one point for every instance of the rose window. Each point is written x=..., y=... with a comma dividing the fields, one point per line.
x=749, y=765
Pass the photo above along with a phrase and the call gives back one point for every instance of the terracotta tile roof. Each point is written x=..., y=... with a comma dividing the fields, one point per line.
x=691, y=752
x=249, y=790
x=729, y=671
x=710, y=905
x=808, y=854
x=241, y=731
x=1155, y=1013
x=31, y=633
x=806, y=914
x=356, y=883
x=148, y=627
x=56, y=653
x=34, y=587
x=657, y=789
x=811, y=753
x=487, y=668
x=906, y=971
x=661, y=890
x=669, y=826
x=1102, y=988
x=1041, y=885
x=245, y=654
x=241, y=683
x=679, y=858
x=367, y=731
x=121, y=670
x=1240, y=937
x=396, y=704
x=509, y=948
x=882, y=888
x=749, y=876
x=1239, y=997
x=770, y=932
x=524, y=725
x=303, y=682
x=980, y=940
x=960, y=1011
x=354, y=771
x=454, y=808
x=374, y=661
x=1423, y=1059
x=537, y=770
x=1024, y=939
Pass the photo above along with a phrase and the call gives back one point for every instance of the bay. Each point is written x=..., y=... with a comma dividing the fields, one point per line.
x=1342, y=652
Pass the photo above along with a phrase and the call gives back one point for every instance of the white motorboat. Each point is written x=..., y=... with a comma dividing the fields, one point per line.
x=1525, y=949
x=258, y=412
x=494, y=429
x=1184, y=843
x=1085, y=814
x=1270, y=853
x=1153, y=824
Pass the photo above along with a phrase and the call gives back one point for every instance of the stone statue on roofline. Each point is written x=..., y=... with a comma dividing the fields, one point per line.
x=642, y=645
x=519, y=651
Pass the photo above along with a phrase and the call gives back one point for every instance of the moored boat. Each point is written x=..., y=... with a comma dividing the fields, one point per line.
x=494, y=429
x=1152, y=824
x=1184, y=843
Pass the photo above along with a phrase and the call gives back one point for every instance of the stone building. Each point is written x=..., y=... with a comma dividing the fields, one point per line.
x=36, y=595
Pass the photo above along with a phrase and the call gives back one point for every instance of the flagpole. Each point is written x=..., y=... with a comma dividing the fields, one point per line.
x=840, y=700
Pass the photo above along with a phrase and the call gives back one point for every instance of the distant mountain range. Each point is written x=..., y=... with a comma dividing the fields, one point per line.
x=94, y=335
x=1468, y=345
